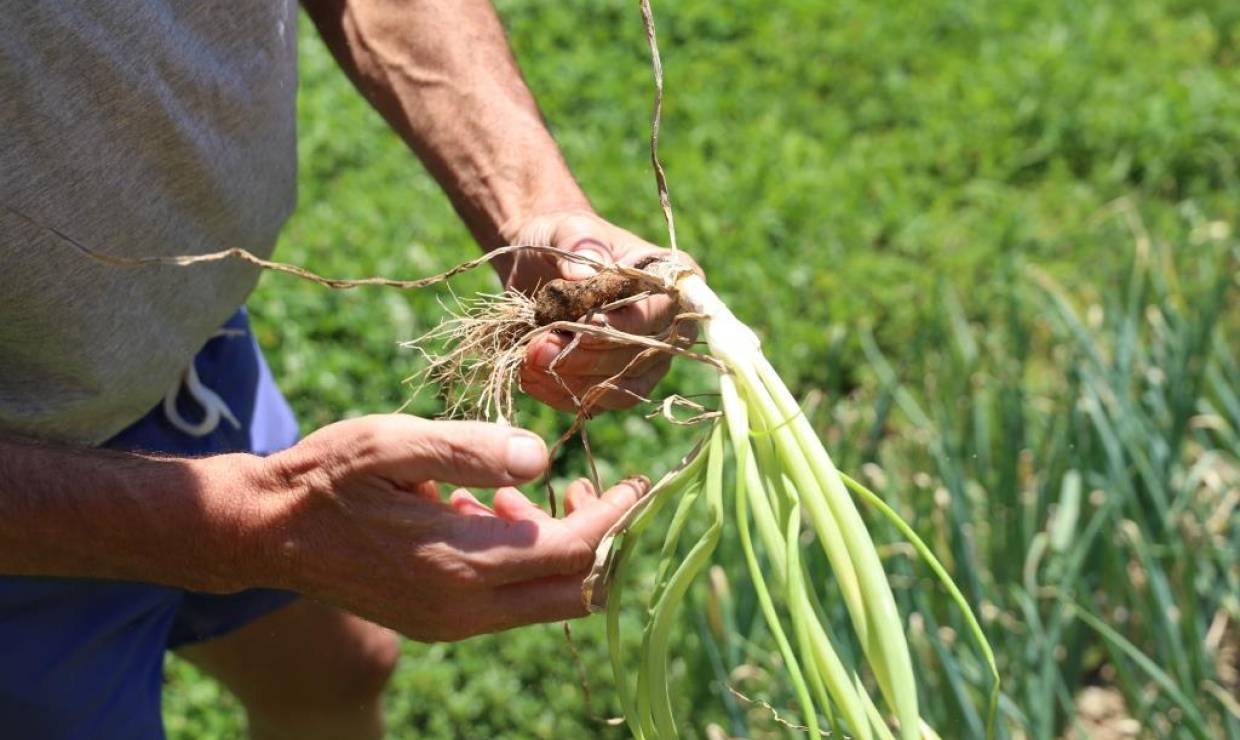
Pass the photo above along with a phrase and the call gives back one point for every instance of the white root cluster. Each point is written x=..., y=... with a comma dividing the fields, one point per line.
x=487, y=338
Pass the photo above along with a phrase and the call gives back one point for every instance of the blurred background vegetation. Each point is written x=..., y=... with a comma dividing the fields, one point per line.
x=994, y=248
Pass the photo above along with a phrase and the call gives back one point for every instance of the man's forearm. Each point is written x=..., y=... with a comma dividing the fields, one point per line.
x=441, y=73
x=79, y=512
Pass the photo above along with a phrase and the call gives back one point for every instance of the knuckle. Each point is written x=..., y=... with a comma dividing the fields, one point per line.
x=448, y=452
x=575, y=228
x=451, y=567
x=309, y=468
x=469, y=576
x=460, y=457
x=581, y=558
x=577, y=556
x=366, y=443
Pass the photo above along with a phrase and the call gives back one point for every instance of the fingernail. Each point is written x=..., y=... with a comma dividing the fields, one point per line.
x=639, y=483
x=579, y=270
x=527, y=456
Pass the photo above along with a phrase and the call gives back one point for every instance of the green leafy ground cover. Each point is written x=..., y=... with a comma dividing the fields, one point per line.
x=868, y=184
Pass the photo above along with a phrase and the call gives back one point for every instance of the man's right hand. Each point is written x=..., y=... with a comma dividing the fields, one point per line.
x=352, y=516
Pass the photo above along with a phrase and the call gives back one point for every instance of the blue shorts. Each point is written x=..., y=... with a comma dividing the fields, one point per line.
x=84, y=658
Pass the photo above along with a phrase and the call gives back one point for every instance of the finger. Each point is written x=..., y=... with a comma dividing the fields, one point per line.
x=582, y=399
x=560, y=394
x=648, y=317
x=592, y=523
x=605, y=360
x=546, y=389
x=512, y=505
x=464, y=503
x=536, y=546
x=577, y=384
x=619, y=393
x=503, y=551
x=551, y=395
x=534, y=602
x=632, y=250
x=616, y=395
x=580, y=494
x=468, y=453
x=582, y=235
x=654, y=314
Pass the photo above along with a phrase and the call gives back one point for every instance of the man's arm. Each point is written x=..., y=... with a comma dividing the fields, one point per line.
x=80, y=512
x=350, y=516
x=441, y=73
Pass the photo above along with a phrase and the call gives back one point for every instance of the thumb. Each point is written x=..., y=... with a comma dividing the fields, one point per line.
x=583, y=235
x=464, y=453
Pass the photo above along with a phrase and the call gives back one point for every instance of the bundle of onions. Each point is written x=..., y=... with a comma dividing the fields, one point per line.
x=784, y=480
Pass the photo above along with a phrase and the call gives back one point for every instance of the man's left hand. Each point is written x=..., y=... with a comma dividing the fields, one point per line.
x=595, y=359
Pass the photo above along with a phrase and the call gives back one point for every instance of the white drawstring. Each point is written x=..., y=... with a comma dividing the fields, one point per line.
x=213, y=407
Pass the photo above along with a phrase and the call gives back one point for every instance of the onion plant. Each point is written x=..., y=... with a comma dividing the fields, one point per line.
x=782, y=482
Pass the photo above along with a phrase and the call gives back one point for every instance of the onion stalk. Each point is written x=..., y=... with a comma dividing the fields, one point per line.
x=783, y=479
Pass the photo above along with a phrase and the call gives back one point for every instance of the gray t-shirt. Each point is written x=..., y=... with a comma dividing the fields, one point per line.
x=138, y=127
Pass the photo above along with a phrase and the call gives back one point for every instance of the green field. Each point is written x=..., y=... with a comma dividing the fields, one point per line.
x=887, y=192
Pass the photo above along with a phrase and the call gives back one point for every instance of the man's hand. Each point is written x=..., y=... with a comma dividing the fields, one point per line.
x=594, y=359
x=350, y=516
x=359, y=523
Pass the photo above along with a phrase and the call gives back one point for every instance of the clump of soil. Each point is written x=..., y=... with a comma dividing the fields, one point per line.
x=572, y=300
